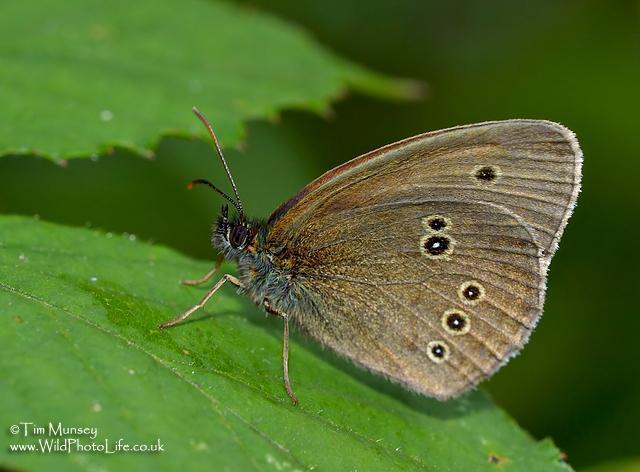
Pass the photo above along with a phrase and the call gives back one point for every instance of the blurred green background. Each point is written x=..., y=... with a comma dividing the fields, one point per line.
x=575, y=62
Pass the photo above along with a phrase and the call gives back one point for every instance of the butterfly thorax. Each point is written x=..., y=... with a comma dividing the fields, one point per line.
x=264, y=275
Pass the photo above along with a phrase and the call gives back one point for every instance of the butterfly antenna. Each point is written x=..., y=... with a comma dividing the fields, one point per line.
x=206, y=182
x=238, y=202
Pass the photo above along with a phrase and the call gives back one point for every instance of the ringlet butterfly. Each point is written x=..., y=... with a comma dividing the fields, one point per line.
x=424, y=261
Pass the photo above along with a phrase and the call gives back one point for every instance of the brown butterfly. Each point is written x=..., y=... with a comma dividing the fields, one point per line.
x=424, y=261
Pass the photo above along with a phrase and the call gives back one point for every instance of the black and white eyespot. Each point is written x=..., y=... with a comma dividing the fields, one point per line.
x=471, y=292
x=436, y=223
x=456, y=322
x=435, y=245
x=486, y=174
x=438, y=351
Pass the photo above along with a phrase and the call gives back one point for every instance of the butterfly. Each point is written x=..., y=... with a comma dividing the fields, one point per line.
x=424, y=261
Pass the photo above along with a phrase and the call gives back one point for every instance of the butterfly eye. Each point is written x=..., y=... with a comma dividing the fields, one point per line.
x=238, y=236
x=438, y=351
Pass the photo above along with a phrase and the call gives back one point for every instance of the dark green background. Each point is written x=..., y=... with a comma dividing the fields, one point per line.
x=575, y=62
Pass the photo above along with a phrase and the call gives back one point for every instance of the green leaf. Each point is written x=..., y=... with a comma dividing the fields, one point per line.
x=619, y=465
x=80, y=76
x=78, y=314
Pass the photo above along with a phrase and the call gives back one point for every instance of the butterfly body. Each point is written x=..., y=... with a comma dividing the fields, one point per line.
x=425, y=260
x=264, y=275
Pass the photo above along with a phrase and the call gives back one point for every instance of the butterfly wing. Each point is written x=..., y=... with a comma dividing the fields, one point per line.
x=426, y=260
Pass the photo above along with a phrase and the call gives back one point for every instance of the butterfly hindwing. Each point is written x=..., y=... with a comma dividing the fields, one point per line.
x=426, y=260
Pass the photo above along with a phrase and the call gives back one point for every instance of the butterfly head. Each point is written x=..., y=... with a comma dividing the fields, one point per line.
x=236, y=233
x=235, y=236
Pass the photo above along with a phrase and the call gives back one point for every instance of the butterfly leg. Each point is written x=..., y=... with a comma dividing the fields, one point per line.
x=206, y=276
x=184, y=315
x=285, y=349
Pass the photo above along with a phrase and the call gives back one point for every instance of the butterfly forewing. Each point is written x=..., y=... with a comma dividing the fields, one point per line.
x=425, y=260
